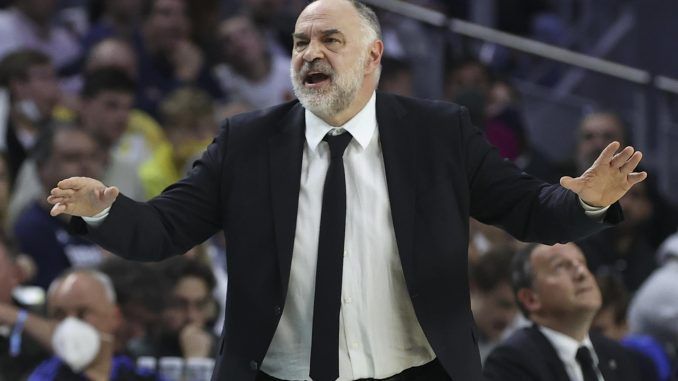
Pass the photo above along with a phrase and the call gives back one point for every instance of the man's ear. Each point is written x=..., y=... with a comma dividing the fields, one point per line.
x=528, y=299
x=374, y=56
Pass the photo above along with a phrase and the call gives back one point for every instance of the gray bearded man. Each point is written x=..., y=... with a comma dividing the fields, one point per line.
x=346, y=215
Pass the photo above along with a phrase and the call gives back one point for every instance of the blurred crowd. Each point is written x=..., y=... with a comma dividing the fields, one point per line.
x=132, y=91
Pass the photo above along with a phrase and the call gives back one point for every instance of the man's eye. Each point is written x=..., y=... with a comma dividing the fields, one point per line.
x=331, y=40
x=300, y=44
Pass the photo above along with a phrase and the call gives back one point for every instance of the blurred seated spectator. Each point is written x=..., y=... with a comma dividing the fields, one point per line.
x=28, y=76
x=396, y=77
x=141, y=292
x=654, y=308
x=83, y=316
x=167, y=59
x=113, y=18
x=188, y=116
x=19, y=359
x=611, y=317
x=467, y=83
x=30, y=24
x=183, y=330
x=556, y=291
x=63, y=152
x=505, y=128
x=492, y=301
x=628, y=248
x=251, y=72
x=275, y=19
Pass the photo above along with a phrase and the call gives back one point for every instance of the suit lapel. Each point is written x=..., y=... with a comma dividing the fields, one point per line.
x=286, y=150
x=398, y=142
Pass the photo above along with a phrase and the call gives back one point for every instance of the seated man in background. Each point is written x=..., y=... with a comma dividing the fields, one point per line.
x=184, y=329
x=555, y=290
x=82, y=304
x=492, y=302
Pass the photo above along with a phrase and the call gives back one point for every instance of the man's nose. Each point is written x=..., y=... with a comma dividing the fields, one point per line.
x=313, y=52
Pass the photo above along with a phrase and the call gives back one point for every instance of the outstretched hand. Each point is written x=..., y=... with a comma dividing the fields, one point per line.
x=81, y=196
x=609, y=178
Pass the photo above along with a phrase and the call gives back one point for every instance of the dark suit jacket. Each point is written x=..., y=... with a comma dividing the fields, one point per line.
x=527, y=355
x=439, y=170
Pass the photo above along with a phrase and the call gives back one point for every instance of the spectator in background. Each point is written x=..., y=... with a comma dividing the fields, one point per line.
x=251, y=72
x=396, y=77
x=83, y=302
x=467, y=84
x=28, y=76
x=597, y=130
x=167, y=59
x=555, y=290
x=30, y=24
x=611, y=317
x=13, y=366
x=63, y=152
x=492, y=301
x=141, y=296
x=188, y=116
x=275, y=20
x=112, y=18
x=190, y=307
x=654, y=308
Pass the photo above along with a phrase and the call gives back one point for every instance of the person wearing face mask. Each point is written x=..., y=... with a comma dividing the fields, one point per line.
x=83, y=314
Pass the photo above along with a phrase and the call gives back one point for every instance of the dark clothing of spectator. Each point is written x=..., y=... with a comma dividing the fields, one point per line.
x=122, y=369
x=47, y=241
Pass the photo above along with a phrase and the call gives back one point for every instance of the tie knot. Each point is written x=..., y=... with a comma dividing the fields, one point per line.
x=584, y=357
x=338, y=143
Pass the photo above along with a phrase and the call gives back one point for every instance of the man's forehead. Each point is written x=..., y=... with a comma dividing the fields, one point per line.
x=551, y=254
x=328, y=14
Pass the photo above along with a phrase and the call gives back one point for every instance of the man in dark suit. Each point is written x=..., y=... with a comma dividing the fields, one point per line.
x=559, y=294
x=393, y=213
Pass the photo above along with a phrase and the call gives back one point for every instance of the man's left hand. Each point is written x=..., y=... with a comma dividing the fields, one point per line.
x=609, y=178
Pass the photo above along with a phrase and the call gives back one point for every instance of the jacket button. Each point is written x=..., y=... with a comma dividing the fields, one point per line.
x=277, y=310
x=254, y=365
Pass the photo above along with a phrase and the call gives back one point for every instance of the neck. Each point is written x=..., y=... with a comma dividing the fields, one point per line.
x=576, y=327
x=100, y=369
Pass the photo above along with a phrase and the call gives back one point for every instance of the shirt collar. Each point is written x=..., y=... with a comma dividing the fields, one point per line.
x=361, y=126
x=566, y=346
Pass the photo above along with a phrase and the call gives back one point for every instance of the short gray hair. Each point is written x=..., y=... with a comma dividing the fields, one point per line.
x=369, y=18
x=97, y=275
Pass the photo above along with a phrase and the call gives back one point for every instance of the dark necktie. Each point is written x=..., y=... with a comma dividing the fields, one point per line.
x=586, y=362
x=327, y=302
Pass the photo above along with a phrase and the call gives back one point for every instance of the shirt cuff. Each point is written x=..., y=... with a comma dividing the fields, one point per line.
x=596, y=213
x=98, y=218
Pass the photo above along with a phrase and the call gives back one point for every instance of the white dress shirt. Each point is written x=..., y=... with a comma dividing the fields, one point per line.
x=566, y=348
x=379, y=335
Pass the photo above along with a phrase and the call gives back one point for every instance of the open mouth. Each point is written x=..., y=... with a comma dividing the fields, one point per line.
x=316, y=79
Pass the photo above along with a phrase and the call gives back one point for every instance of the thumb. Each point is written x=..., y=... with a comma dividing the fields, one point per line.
x=570, y=183
x=110, y=194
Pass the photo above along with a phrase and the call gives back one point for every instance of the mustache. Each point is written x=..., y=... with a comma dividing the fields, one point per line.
x=317, y=67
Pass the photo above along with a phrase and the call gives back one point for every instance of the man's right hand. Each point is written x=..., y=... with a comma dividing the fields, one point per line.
x=81, y=196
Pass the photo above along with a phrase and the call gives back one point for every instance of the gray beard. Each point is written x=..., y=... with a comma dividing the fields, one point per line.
x=334, y=99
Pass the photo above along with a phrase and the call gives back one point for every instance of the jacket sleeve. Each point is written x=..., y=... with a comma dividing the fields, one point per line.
x=182, y=216
x=529, y=209
x=507, y=364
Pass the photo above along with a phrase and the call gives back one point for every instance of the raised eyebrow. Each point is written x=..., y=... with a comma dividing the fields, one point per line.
x=330, y=32
x=300, y=36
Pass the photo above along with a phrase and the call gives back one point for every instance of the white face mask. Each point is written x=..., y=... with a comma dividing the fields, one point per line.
x=76, y=343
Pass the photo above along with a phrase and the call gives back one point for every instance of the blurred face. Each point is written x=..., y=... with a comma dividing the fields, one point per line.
x=329, y=57
x=81, y=296
x=106, y=115
x=189, y=304
x=124, y=9
x=168, y=24
x=637, y=206
x=41, y=87
x=114, y=54
x=74, y=154
x=493, y=310
x=595, y=133
x=605, y=323
x=241, y=42
x=562, y=285
x=8, y=276
x=469, y=76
